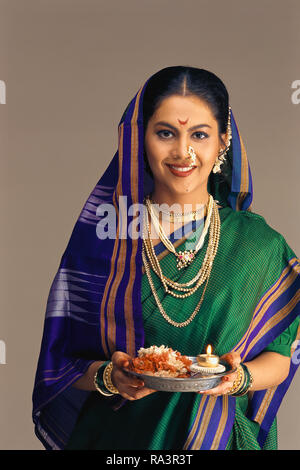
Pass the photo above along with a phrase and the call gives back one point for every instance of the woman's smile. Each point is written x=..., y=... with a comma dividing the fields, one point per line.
x=181, y=171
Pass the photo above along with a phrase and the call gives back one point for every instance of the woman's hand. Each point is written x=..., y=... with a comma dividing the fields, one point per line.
x=129, y=387
x=223, y=388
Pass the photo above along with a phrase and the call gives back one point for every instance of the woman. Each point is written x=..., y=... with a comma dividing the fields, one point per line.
x=238, y=289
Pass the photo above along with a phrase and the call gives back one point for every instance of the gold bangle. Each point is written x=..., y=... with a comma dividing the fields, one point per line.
x=106, y=394
x=247, y=389
x=238, y=381
x=107, y=379
x=251, y=379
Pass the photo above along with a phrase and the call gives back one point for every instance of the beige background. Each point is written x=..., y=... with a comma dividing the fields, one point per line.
x=70, y=68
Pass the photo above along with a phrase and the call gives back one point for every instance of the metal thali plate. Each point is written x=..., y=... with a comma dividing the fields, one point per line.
x=196, y=383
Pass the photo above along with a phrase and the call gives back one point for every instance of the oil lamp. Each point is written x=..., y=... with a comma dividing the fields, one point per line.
x=208, y=359
x=207, y=363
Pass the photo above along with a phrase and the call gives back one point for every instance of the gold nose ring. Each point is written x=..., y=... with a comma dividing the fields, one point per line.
x=191, y=152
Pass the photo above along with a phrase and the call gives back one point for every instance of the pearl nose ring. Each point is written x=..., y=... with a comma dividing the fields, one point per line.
x=192, y=154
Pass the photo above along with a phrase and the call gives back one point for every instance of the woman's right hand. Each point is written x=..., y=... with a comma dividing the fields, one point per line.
x=129, y=387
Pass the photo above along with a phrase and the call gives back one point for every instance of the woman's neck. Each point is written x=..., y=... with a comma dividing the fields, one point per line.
x=192, y=201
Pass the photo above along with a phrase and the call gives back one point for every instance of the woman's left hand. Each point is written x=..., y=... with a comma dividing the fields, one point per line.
x=223, y=388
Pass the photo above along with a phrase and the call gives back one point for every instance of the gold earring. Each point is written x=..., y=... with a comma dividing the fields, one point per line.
x=221, y=157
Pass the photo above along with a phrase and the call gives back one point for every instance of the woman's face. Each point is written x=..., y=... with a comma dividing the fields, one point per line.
x=181, y=121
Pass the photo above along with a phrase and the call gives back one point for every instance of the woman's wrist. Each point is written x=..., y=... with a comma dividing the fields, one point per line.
x=243, y=382
x=98, y=380
x=107, y=379
x=102, y=380
x=238, y=381
x=86, y=381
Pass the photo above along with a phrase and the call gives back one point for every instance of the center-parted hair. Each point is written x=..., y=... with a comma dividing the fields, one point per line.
x=185, y=81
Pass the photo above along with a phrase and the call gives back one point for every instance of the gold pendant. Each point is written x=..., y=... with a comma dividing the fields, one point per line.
x=184, y=258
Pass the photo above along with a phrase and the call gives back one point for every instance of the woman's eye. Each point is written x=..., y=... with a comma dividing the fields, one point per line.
x=165, y=134
x=200, y=135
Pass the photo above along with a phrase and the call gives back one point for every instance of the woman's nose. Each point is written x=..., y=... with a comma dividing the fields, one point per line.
x=181, y=148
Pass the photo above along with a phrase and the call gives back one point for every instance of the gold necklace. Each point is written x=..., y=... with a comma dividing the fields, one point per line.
x=184, y=258
x=216, y=236
x=160, y=307
x=204, y=271
x=177, y=216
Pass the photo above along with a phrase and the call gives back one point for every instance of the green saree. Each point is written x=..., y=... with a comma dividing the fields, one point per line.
x=250, y=260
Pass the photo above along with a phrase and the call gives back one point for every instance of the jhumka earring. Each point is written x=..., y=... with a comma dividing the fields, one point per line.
x=221, y=157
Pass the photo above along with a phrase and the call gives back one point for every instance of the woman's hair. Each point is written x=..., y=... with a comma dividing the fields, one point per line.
x=184, y=81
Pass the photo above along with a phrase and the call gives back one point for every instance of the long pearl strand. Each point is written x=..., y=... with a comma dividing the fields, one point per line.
x=204, y=271
x=160, y=307
x=186, y=257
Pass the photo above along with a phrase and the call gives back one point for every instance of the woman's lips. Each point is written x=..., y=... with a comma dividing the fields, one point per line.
x=179, y=170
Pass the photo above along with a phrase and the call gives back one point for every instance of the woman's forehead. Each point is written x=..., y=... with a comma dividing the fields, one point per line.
x=183, y=109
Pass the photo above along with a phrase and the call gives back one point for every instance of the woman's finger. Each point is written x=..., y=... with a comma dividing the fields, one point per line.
x=233, y=359
x=120, y=359
x=130, y=387
x=121, y=377
x=132, y=393
x=120, y=362
x=221, y=389
x=122, y=380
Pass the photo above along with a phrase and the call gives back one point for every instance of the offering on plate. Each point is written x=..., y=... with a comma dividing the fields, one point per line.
x=161, y=362
x=167, y=370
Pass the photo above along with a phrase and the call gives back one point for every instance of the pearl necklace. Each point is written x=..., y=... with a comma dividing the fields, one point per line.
x=184, y=258
x=203, y=272
x=216, y=236
x=160, y=307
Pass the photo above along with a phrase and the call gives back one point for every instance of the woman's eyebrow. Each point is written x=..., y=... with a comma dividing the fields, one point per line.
x=164, y=123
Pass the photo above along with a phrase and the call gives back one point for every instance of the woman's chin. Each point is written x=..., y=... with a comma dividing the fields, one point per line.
x=180, y=189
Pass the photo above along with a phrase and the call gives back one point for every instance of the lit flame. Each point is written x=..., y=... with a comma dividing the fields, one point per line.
x=208, y=350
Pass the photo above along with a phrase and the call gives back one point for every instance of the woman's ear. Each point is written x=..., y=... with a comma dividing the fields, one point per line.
x=223, y=141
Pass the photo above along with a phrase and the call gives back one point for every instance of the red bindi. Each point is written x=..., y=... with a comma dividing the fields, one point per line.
x=183, y=122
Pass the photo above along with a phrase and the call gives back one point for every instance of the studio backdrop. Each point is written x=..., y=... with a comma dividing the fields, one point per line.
x=68, y=68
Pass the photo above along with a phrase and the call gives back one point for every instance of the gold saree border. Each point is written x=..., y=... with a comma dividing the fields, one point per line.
x=118, y=263
x=273, y=293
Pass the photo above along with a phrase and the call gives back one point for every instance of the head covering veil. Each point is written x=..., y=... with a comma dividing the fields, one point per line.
x=94, y=305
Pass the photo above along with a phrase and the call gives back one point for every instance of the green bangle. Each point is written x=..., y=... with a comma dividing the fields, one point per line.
x=245, y=383
x=250, y=379
x=98, y=380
